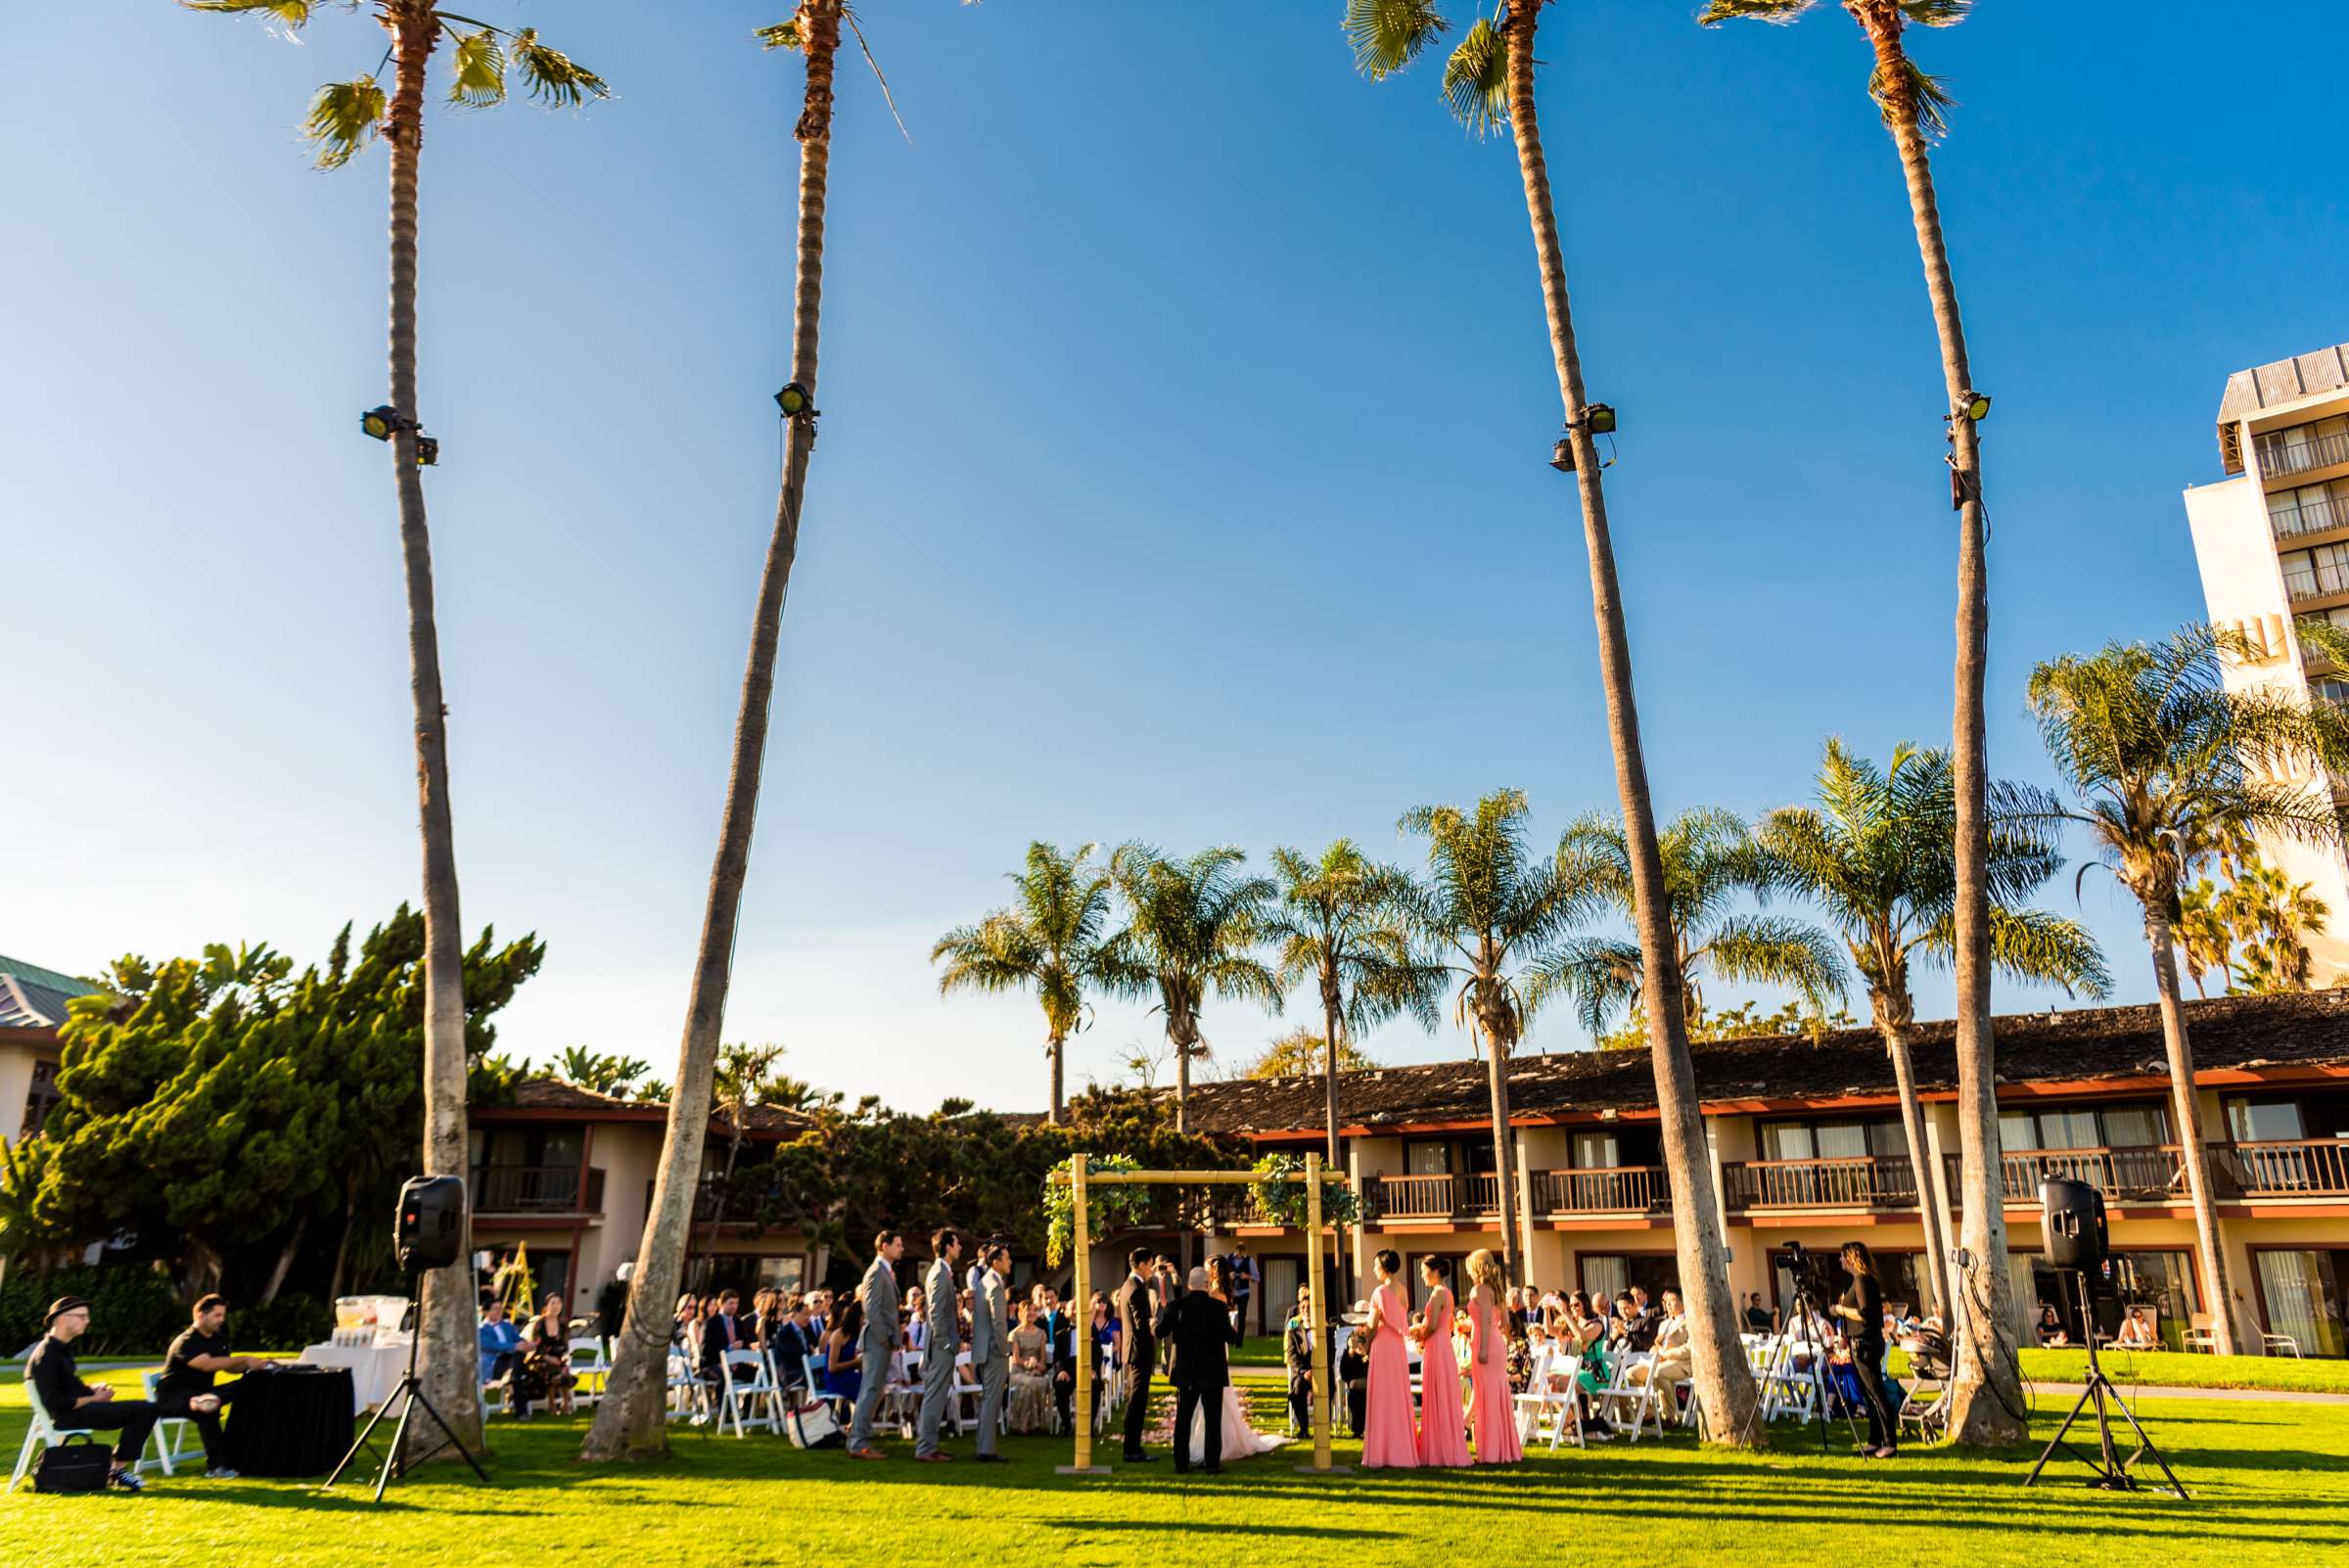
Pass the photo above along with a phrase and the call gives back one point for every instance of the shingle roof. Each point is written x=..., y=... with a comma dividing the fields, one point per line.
x=548, y=1093
x=2106, y=1042
x=33, y=998
x=2267, y=386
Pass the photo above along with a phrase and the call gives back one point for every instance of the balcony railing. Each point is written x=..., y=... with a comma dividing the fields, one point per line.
x=1415, y=1197
x=2277, y=458
x=1621, y=1189
x=2301, y=1167
x=535, y=1189
x=1882, y=1182
x=2308, y=517
x=2313, y=583
x=2146, y=1174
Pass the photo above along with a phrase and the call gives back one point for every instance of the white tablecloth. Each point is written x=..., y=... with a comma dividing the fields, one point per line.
x=374, y=1369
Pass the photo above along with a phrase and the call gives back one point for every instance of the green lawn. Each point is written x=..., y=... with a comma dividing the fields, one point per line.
x=2271, y=1483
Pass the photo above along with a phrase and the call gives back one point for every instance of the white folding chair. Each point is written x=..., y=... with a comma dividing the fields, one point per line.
x=744, y=1387
x=169, y=1441
x=1641, y=1399
x=964, y=1405
x=41, y=1432
x=1543, y=1405
x=2200, y=1339
x=688, y=1395
x=589, y=1368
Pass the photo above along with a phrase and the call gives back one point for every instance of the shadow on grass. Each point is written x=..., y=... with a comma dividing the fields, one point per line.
x=1159, y=1527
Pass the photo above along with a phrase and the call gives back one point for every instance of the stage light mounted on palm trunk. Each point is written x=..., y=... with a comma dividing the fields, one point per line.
x=428, y=449
x=1977, y=406
x=1600, y=420
x=382, y=423
x=796, y=402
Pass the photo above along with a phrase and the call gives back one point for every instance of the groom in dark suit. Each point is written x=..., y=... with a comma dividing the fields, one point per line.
x=1138, y=1318
x=1200, y=1326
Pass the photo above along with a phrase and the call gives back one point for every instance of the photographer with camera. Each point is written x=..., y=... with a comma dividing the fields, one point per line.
x=1862, y=1309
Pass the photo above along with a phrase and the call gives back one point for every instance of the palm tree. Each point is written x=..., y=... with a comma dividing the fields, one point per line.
x=1488, y=83
x=1914, y=105
x=1710, y=860
x=742, y=1080
x=343, y=117
x=1192, y=927
x=1877, y=854
x=1491, y=908
x=1051, y=938
x=1340, y=924
x=2276, y=916
x=2166, y=767
x=629, y=1423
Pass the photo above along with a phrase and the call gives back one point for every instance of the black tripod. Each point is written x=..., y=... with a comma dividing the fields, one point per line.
x=1802, y=1337
x=2112, y=1472
x=408, y=1397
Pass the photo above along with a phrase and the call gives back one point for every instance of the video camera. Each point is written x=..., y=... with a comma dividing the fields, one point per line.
x=1802, y=1270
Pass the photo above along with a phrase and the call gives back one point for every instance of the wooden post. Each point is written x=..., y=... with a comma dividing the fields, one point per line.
x=1082, y=1401
x=1316, y=1315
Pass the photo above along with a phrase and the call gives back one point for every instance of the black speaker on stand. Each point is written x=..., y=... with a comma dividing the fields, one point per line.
x=2073, y=1228
x=428, y=1232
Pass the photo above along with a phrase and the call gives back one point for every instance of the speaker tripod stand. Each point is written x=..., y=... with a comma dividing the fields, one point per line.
x=2112, y=1473
x=407, y=1395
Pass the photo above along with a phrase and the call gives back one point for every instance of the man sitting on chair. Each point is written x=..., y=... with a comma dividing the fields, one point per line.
x=74, y=1405
x=1667, y=1365
x=196, y=1357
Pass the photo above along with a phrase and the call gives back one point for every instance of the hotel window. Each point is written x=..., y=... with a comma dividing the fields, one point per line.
x=1597, y=1151
x=2264, y=1121
x=2115, y=1126
x=2308, y=508
x=2301, y=1290
x=2301, y=447
x=1854, y=1140
x=1426, y=1157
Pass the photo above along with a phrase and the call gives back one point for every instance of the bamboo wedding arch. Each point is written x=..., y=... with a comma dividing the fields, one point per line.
x=1078, y=1179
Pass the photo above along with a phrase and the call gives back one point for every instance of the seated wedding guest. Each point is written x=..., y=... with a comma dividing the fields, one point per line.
x=546, y=1354
x=1635, y=1311
x=820, y=1313
x=1060, y=1341
x=1030, y=1408
x=195, y=1359
x=72, y=1404
x=2137, y=1331
x=793, y=1343
x=843, y=1366
x=1668, y=1364
x=720, y=1335
x=1354, y=1376
x=913, y=1327
x=2050, y=1327
x=763, y=1316
x=500, y=1345
x=684, y=1329
x=1297, y=1354
x=1758, y=1319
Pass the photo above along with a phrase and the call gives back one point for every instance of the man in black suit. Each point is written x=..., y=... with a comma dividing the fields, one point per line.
x=1138, y=1318
x=1200, y=1326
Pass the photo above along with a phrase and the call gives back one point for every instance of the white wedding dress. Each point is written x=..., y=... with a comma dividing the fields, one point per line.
x=1240, y=1440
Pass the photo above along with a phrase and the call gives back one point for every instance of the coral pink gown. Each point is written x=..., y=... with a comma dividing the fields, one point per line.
x=1490, y=1410
x=1443, y=1429
x=1389, y=1441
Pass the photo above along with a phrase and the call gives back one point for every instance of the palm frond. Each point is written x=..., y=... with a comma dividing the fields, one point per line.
x=292, y=13
x=1597, y=975
x=1388, y=34
x=1778, y=951
x=782, y=35
x=1476, y=80
x=2035, y=946
x=1936, y=13
x=480, y=69
x=1928, y=94
x=554, y=77
x=1777, y=13
x=343, y=117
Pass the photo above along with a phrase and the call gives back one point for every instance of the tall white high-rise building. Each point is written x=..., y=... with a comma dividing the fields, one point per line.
x=2272, y=542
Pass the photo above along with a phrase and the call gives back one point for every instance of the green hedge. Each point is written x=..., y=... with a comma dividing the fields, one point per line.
x=135, y=1311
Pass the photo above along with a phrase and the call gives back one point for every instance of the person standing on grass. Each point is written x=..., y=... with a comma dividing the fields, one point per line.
x=74, y=1405
x=1137, y=1318
x=1492, y=1411
x=991, y=1344
x=878, y=1296
x=1443, y=1429
x=196, y=1357
x=1390, y=1441
x=1862, y=1309
x=939, y=1336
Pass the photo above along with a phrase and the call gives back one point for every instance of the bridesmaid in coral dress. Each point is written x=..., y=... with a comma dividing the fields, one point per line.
x=1388, y=1439
x=1491, y=1411
x=1443, y=1429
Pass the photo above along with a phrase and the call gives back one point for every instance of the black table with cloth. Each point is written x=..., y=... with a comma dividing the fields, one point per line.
x=291, y=1421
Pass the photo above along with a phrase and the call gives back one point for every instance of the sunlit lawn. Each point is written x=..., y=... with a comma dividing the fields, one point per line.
x=2271, y=1481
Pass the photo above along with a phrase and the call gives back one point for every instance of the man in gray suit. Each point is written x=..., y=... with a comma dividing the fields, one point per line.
x=991, y=1344
x=945, y=1340
x=878, y=1295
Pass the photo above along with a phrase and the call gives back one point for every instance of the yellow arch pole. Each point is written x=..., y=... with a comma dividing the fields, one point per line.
x=1316, y=1314
x=1081, y=1404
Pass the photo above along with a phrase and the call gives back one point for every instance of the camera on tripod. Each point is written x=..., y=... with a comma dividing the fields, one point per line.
x=1802, y=1270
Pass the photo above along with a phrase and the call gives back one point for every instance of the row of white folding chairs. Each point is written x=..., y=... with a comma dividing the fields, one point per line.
x=1553, y=1400
x=590, y=1366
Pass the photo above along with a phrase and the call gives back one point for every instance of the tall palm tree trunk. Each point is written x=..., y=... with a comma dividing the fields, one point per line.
x=630, y=1423
x=2186, y=1110
x=1185, y=1037
x=1718, y=1359
x=1498, y=1047
x=1979, y=1414
x=1928, y=1180
x=447, y=1355
x=1329, y=1076
x=1056, y=1049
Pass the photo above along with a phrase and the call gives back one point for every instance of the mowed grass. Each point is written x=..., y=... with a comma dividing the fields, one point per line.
x=2271, y=1483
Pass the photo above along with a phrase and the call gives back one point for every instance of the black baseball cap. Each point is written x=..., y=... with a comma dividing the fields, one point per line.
x=62, y=1306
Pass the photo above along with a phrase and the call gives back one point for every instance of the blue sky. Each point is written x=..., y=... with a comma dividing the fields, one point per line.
x=1186, y=402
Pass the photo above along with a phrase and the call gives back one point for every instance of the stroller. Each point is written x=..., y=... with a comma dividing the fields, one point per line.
x=1926, y=1402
